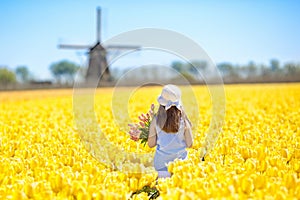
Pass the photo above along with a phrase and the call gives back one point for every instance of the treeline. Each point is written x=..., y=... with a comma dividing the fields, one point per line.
x=251, y=72
x=63, y=72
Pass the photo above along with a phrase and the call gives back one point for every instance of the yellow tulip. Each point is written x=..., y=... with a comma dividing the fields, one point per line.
x=250, y=165
x=260, y=182
x=262, y=166
x=133, y=183
x=261, y=152
x=246, y=153
x=29, y=189
x=290, y=180
x=247, y=185
x=273, y=161
x=296, y=167
x=297, y=153
x=82, y=195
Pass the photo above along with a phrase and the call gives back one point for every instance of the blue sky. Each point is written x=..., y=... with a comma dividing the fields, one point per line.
x=231, y=31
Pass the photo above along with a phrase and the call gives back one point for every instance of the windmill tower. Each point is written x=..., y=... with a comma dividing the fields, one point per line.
x=97, y=66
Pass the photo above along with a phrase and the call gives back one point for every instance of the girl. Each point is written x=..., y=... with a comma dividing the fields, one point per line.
x=170, y=130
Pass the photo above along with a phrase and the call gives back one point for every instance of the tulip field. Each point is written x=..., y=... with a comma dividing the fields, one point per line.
x=44, y=155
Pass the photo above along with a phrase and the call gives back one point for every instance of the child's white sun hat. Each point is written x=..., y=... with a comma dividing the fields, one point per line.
x=170, y=96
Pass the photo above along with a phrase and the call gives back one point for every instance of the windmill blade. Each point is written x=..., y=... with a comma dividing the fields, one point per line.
x=122, y=47
x=98, y=31
x=73, y=46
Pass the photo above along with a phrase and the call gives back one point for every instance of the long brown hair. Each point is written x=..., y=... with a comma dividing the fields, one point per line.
x=168, y=120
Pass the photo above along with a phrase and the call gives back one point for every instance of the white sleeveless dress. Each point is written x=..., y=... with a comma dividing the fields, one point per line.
x=169, y=147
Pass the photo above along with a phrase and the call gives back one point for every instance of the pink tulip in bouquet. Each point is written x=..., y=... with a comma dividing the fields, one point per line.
x=140, y=130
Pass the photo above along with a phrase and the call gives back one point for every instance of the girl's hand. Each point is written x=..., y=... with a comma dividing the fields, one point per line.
x=152, y=134
x=188, y=134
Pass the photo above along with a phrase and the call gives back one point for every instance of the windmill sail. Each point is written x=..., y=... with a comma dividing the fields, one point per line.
x=73, y=46
x=98, y=33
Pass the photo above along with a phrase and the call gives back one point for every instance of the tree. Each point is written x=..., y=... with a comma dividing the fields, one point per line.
x=7, y=76
x=191, y=69
x=275, y=65
x=64, y=70
x=290, y=68
x=226, y=69
x=22, y=73
x=264, y=70
x=200, y=65
x=251, y=69
x=177, y=65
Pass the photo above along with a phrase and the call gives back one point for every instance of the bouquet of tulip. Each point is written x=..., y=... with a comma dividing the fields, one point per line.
x=140, y=131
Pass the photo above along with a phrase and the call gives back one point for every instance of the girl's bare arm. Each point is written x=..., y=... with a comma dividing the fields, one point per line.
x=188, y=135
x=152, y=134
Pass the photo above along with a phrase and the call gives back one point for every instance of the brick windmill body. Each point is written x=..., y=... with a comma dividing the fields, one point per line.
x=97, y=66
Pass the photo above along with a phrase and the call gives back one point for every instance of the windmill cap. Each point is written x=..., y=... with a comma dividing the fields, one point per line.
x=170, y=96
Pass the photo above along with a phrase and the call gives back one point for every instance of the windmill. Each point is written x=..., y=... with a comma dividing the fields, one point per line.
x=97, y=66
